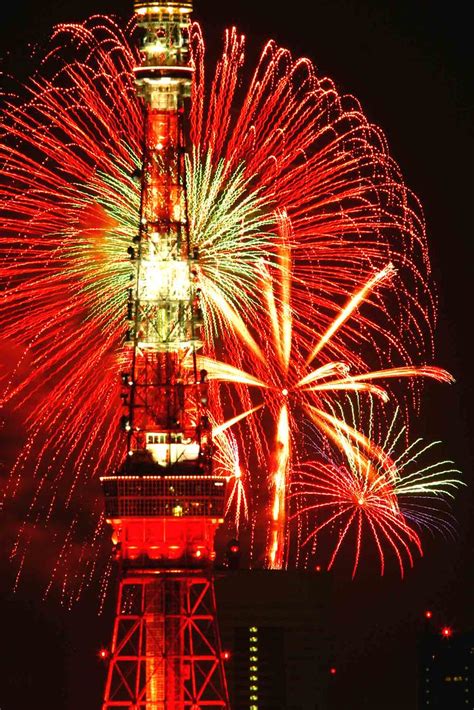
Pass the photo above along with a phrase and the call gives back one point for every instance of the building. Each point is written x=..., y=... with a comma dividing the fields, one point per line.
x=446, y=670
x=278, y=657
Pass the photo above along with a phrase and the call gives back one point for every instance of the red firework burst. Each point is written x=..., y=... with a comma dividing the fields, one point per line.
x=353, y=507
x=287, y=145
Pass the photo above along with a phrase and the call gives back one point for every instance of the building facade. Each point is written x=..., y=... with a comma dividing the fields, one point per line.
x=277, y=656
x=446, y=671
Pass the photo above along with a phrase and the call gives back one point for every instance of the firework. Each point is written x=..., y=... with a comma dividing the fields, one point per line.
x=359, y=497
x=284, y=377
x=286, y=168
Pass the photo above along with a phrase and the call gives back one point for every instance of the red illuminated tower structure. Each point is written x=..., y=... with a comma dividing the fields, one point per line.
x=164, y=504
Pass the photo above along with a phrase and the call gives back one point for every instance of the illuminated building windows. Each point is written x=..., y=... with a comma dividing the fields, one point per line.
x=280, y=674
x=253, y=667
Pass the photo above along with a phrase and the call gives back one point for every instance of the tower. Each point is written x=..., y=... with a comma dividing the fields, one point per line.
x=164, y=504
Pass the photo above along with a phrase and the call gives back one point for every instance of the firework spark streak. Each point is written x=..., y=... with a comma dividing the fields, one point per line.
x=287, y=183
x=227, y=463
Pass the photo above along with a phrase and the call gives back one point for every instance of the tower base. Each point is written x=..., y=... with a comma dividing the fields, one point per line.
x=166, y=651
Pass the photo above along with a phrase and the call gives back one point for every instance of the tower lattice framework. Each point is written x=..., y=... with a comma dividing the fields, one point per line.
x=164, y=504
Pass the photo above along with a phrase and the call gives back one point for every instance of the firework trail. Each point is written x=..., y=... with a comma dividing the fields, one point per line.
x=286, y=158
x=284, y=374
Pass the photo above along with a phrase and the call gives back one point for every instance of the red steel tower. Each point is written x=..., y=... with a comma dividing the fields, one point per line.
x=164, y=504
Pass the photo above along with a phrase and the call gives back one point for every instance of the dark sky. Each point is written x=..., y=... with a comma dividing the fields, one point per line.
x=408, y=62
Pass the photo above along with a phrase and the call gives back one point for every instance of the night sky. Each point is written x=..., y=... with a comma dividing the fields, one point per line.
x=408, y=63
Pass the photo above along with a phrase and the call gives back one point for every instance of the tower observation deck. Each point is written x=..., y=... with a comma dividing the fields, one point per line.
x=164, y=503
